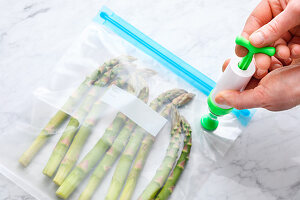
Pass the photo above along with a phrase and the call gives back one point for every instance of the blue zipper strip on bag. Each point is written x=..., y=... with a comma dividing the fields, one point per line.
x=162, y=55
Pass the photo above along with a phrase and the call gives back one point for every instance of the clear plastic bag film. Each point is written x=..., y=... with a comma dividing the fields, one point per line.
x=118, y=119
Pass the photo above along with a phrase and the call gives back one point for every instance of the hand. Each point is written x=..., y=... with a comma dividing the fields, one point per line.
x=278, y=90
x=275, y=23
x=272, y=23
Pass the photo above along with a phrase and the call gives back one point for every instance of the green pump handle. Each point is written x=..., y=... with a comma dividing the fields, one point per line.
x=245, y=62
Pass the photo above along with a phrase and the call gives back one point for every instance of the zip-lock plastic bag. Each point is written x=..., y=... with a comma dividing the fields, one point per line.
x=124, y=122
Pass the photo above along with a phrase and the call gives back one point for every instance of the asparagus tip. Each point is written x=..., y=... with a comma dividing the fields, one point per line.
x=126, y=58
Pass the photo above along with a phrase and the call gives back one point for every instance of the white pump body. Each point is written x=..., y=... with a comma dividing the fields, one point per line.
x=233, y=78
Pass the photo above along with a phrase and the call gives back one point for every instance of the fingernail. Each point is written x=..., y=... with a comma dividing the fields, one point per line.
x=257, y=38
x=220, y=100
x=260, y=72
x=294, y=52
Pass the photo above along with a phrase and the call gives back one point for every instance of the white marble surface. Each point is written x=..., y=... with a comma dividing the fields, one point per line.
x=264, y=163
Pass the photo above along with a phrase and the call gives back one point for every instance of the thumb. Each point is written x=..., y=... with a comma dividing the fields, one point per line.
x=252, y=98
x=273, y=30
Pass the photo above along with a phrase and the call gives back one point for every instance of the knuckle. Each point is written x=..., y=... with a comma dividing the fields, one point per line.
x=239, y=106
x=255, y=21
x=277, y=4
x=260, y=95
x=272, y=27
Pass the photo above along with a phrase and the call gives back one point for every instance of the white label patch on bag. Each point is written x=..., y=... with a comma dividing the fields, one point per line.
x=135, y=109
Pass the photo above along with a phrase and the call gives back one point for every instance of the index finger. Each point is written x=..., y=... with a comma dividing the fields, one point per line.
x=260, y=16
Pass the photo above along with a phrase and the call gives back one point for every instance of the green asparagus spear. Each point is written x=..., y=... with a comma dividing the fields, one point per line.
x=167, y=164
x=121, y=171
x=137, y=167
x=62, y=115
x=99, y=172
x=94, y=155
x=74, y=123
x=111, y=155
x=79, y=140
x=128, y=155
x=168, y=188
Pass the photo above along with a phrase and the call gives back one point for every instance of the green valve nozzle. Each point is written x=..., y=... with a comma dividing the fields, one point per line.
x=210, y=122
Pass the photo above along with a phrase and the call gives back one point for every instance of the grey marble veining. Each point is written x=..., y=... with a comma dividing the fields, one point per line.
x=264, y=163
x=9, y=191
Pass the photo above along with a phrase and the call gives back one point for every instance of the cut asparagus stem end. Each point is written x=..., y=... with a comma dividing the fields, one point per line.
x=28, y=155
x=60, y=177
x=51, y=167
x=70, y=184
x=24, y=160
x=90, y=189
x=61, y=147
